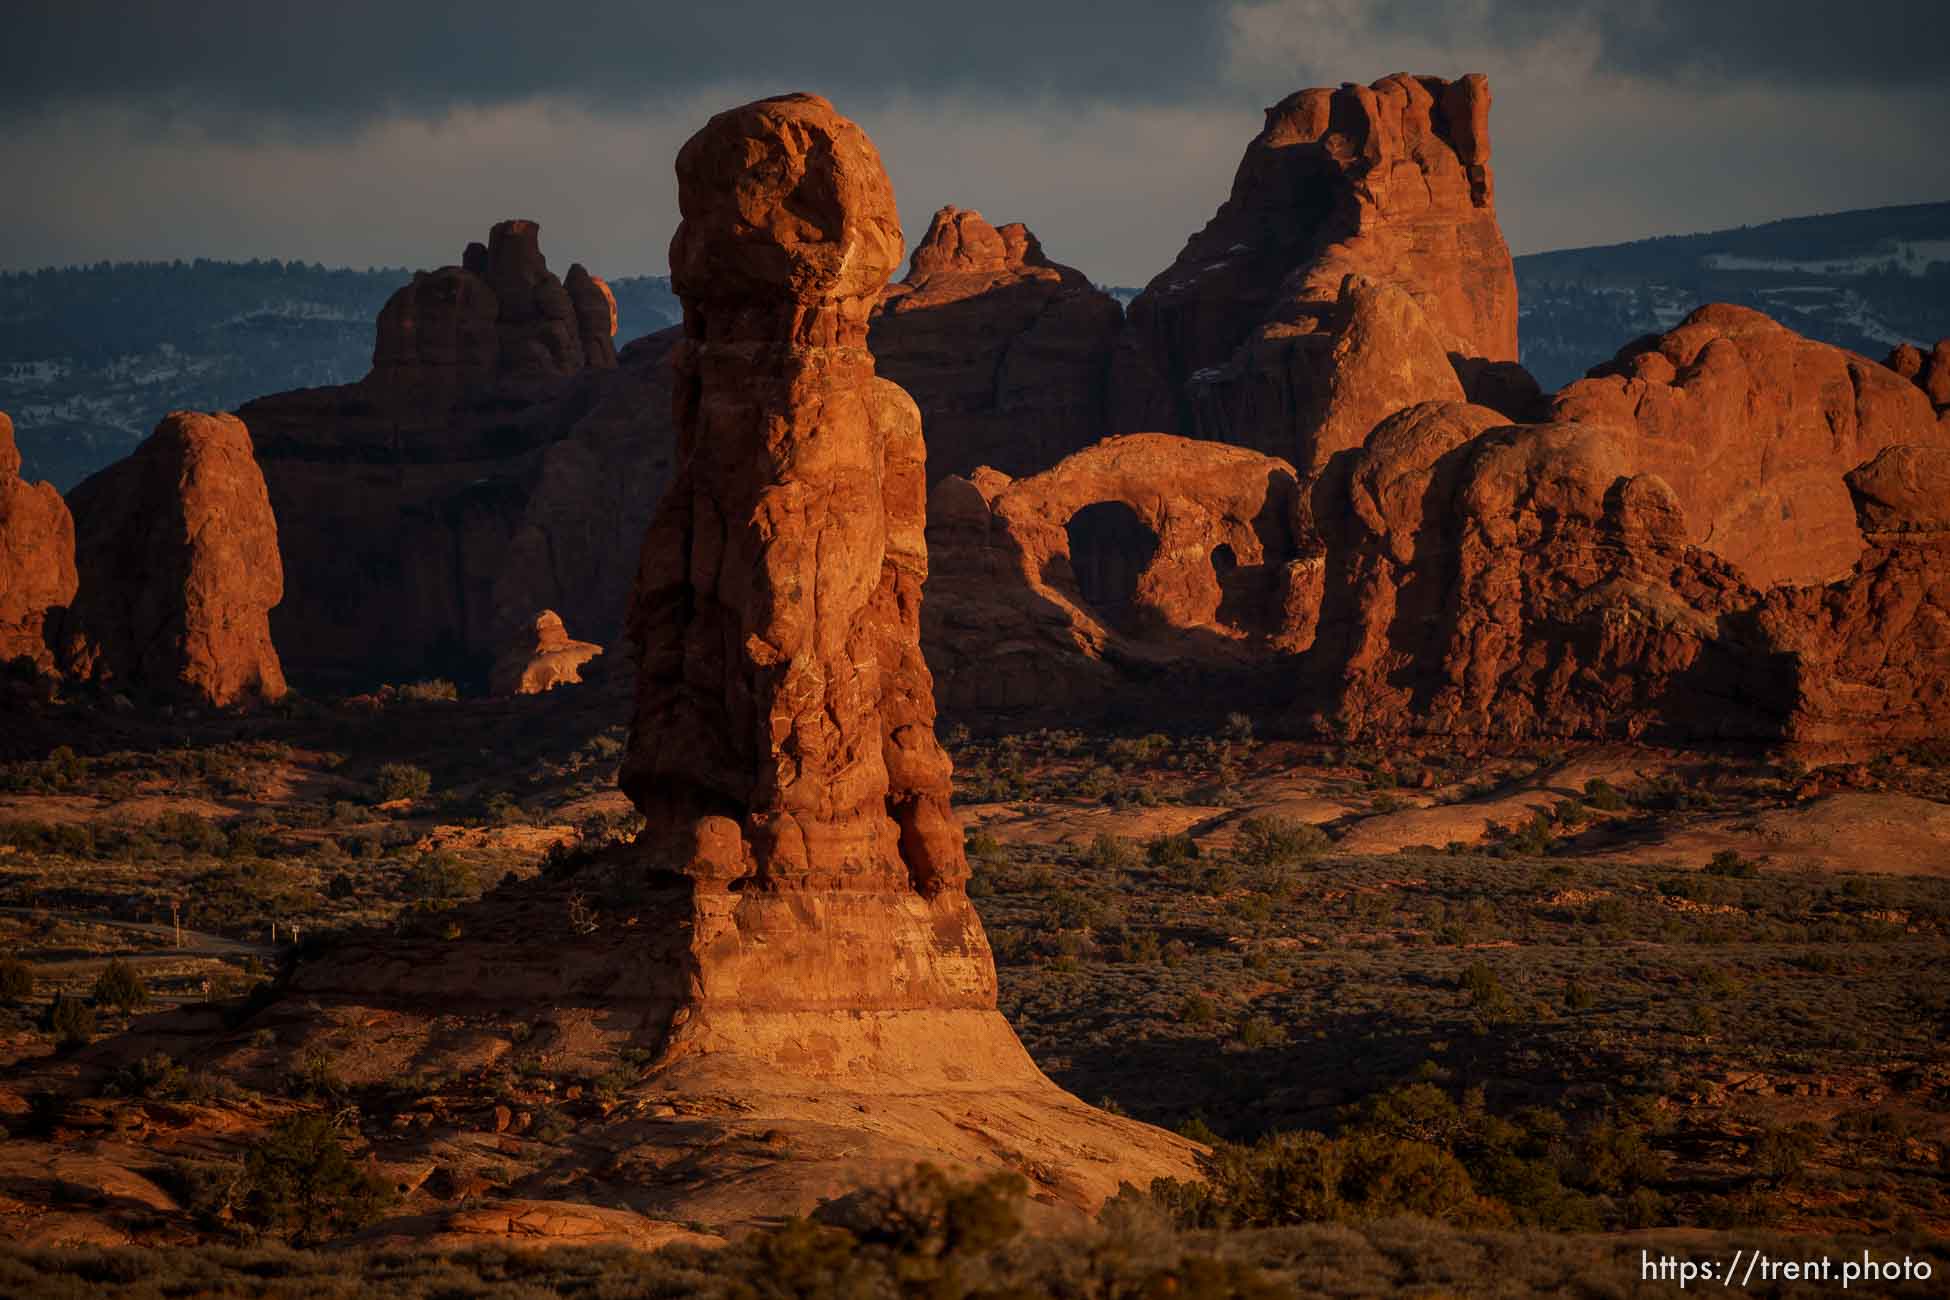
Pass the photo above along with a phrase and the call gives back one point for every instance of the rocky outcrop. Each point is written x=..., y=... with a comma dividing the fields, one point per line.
x=1516, y=581
x=1389, y=181
x=541, y=659
x=177, y=552
x=1006, y=352
x=37, y=571
x=1384, y=357
x=1148, y=558
x=499, y=458
x=1929, y=371
x=1869, y=656
x=1753, y=427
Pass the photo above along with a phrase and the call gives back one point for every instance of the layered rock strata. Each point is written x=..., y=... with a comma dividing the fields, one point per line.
x=176, y=548
x=37, y=571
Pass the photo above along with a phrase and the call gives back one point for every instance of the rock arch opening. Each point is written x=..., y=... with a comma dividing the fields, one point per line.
x=1109, y=548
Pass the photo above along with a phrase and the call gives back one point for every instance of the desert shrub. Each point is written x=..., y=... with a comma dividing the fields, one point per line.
x=1486, y=993
x=442, y=876
x=1260, y=1031
x=70, y=1021
x=120, y=987
x=1293, y=1178
x=16, y=980
x=1728, y=862
x=299, y=1182
x=931, y=1216
x=1602, y=795
x=1170, y=851
x=401, y=781
x=438, y=688
x=983, y=845
x=1110, y=853
x=193, y=834
x=1279, y=841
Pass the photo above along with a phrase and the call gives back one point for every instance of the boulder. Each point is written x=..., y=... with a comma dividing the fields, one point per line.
x=1006, y=352
x=1753, y=427
x=1389, y=181
x=1929, y=371
x=37, y=568
x=541, y=659
x=176, y=547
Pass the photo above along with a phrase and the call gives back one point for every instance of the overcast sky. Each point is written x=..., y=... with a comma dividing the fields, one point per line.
x=357, y=132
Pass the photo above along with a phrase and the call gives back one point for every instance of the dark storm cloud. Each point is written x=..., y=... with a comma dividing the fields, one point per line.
x=1827, y=42
x=355, y=59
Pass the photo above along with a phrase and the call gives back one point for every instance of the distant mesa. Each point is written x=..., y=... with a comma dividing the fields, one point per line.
x=177, y=552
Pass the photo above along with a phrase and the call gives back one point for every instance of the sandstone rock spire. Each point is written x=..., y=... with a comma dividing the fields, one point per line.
x=177, y=550
x=37, y=570
x=783, y=750
x=1391, y=181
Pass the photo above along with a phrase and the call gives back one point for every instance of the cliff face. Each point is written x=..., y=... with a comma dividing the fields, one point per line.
x=500, y=458
x=1006, y=352
x=1389, y=181
x=177, y=552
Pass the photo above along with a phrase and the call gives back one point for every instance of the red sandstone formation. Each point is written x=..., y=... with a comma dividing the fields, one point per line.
x=1753, y=427
x=783, y=749
x=1869, y=656
x=1517, y=581
x=1384, y=357
x=498, y=459
x=541, y=659
x=1390, y=181
x=1145, y=557
x=1006, y=352
x=1928, y=371
x=177, y=551
x=37, y=570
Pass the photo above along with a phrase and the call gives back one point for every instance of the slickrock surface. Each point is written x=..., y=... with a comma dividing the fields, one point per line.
x=542, y=658
x=1391, y=181
x=1147, y=558
x=177, y=551
x=37, y=571
x=1753, y=427
x=499, y=458
x=1006, y=352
